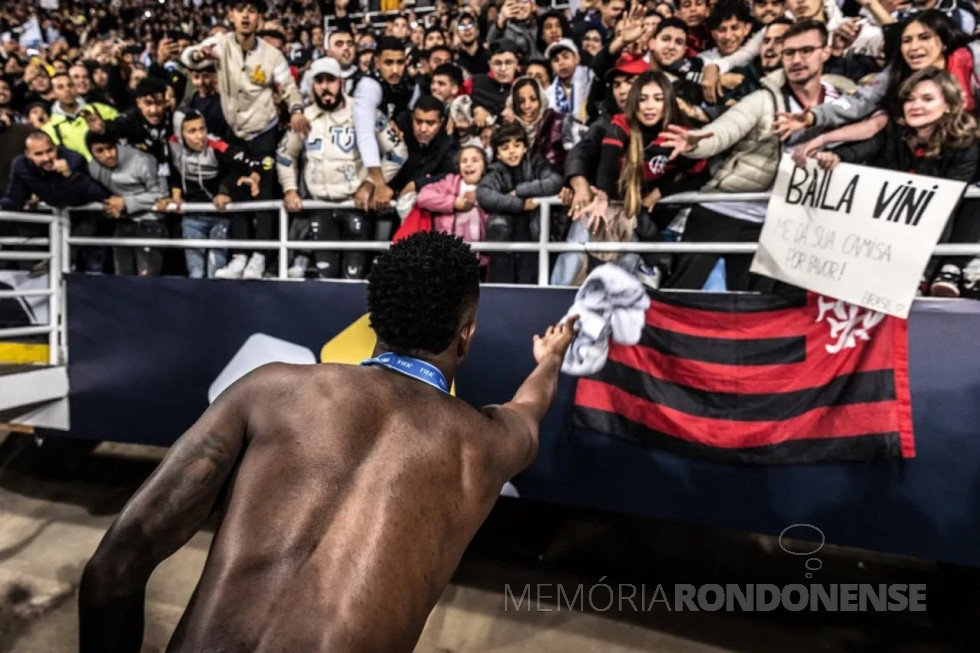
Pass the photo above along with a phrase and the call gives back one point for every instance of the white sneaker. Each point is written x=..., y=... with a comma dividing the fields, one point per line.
x=234, y=268
x=255, y=268
x=650, y=277
x=298, y=269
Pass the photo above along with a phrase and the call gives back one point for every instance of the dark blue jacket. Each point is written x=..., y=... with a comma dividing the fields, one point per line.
x=52, y=188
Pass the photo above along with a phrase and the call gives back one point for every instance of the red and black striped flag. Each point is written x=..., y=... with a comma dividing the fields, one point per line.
x=757, y=379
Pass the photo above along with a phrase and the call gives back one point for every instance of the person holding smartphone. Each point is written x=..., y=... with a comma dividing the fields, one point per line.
x=517, y=22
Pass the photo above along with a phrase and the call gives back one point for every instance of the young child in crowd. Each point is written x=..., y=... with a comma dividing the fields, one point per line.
x=206, y=169
x=452, y=199
x=506, y=193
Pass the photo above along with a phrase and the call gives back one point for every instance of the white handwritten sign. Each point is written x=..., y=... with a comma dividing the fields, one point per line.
x=862, y=235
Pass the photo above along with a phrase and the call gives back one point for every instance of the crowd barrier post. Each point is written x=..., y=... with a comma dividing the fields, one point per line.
x=544, y=256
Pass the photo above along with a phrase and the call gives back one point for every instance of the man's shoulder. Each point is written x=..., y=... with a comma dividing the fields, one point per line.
x=104, y=109
x=20, y=164
x=364, y=83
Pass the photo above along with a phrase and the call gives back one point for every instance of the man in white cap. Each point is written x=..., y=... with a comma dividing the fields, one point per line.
x=333, y=171
x=569, y=92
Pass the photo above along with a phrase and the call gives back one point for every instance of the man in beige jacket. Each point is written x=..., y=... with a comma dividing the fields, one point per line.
x=333, y=171
x=745, y=132
x=249, y=73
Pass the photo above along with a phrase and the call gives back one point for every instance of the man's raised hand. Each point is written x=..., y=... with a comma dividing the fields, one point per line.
x=555, y=340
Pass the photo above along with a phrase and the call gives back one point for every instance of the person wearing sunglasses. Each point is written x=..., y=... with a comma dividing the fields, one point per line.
x=471, y=55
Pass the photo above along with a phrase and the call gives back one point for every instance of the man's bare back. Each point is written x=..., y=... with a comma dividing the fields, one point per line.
x=352, y=493
x=347, y=494
x=357, y=492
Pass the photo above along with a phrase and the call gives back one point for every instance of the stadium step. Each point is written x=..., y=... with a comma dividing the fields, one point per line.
x=34, y=395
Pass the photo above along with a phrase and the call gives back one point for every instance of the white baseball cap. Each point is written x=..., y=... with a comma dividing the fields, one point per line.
x=326, y=66
x=564, y=44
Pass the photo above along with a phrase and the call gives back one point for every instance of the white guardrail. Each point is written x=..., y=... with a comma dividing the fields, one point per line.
x=58, y=243
x=56, y=253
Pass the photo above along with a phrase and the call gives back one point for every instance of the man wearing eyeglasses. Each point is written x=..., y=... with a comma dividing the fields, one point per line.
x=490, y=91
x=747, y=132
x=471, y=55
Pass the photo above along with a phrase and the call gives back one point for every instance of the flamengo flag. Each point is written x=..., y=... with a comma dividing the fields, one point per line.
x=795, y=378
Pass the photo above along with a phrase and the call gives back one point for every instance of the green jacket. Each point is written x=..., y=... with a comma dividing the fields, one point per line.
x=70, y=131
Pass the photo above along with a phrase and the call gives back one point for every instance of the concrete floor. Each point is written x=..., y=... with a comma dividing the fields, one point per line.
x=56, y=502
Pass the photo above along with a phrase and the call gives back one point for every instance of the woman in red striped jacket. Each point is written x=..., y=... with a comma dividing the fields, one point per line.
x=636, y=169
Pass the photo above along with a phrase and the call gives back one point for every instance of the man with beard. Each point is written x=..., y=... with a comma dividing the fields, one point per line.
x=333, y=171
x=388, y=89
x=56, y=175
x=747, y=132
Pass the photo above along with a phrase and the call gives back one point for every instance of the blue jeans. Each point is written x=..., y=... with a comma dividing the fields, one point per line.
x=203, y=226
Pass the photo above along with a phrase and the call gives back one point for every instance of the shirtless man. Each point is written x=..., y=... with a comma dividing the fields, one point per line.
x=348, y=493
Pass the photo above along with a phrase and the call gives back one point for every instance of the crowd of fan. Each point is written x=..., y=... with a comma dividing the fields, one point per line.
x=461, y=118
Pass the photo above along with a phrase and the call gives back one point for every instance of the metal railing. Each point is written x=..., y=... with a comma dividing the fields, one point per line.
x=55, y=254
x=543, y=247
x=58, y=243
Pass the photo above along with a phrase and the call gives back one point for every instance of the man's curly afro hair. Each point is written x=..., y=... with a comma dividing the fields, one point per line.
x=419, y=291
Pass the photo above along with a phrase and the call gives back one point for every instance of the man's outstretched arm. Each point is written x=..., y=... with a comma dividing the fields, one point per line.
x=522, y=415
x=163, y=514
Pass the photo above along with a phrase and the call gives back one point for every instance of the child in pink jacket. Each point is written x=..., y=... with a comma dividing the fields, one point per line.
x=452, y=200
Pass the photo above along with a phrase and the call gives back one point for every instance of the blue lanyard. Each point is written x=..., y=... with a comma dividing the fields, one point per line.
x=413, y=367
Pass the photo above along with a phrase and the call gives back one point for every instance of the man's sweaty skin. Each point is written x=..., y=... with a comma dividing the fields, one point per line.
x=349, y=493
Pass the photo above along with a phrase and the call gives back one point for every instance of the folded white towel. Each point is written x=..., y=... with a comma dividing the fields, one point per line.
x=611, y=303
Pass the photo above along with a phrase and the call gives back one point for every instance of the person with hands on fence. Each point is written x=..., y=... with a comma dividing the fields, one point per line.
x=251, y=74
x=205, y=168
x=333, y=171
x=131, y=176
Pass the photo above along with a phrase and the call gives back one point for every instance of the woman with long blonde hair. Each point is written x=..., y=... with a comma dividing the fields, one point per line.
x=934, y=136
